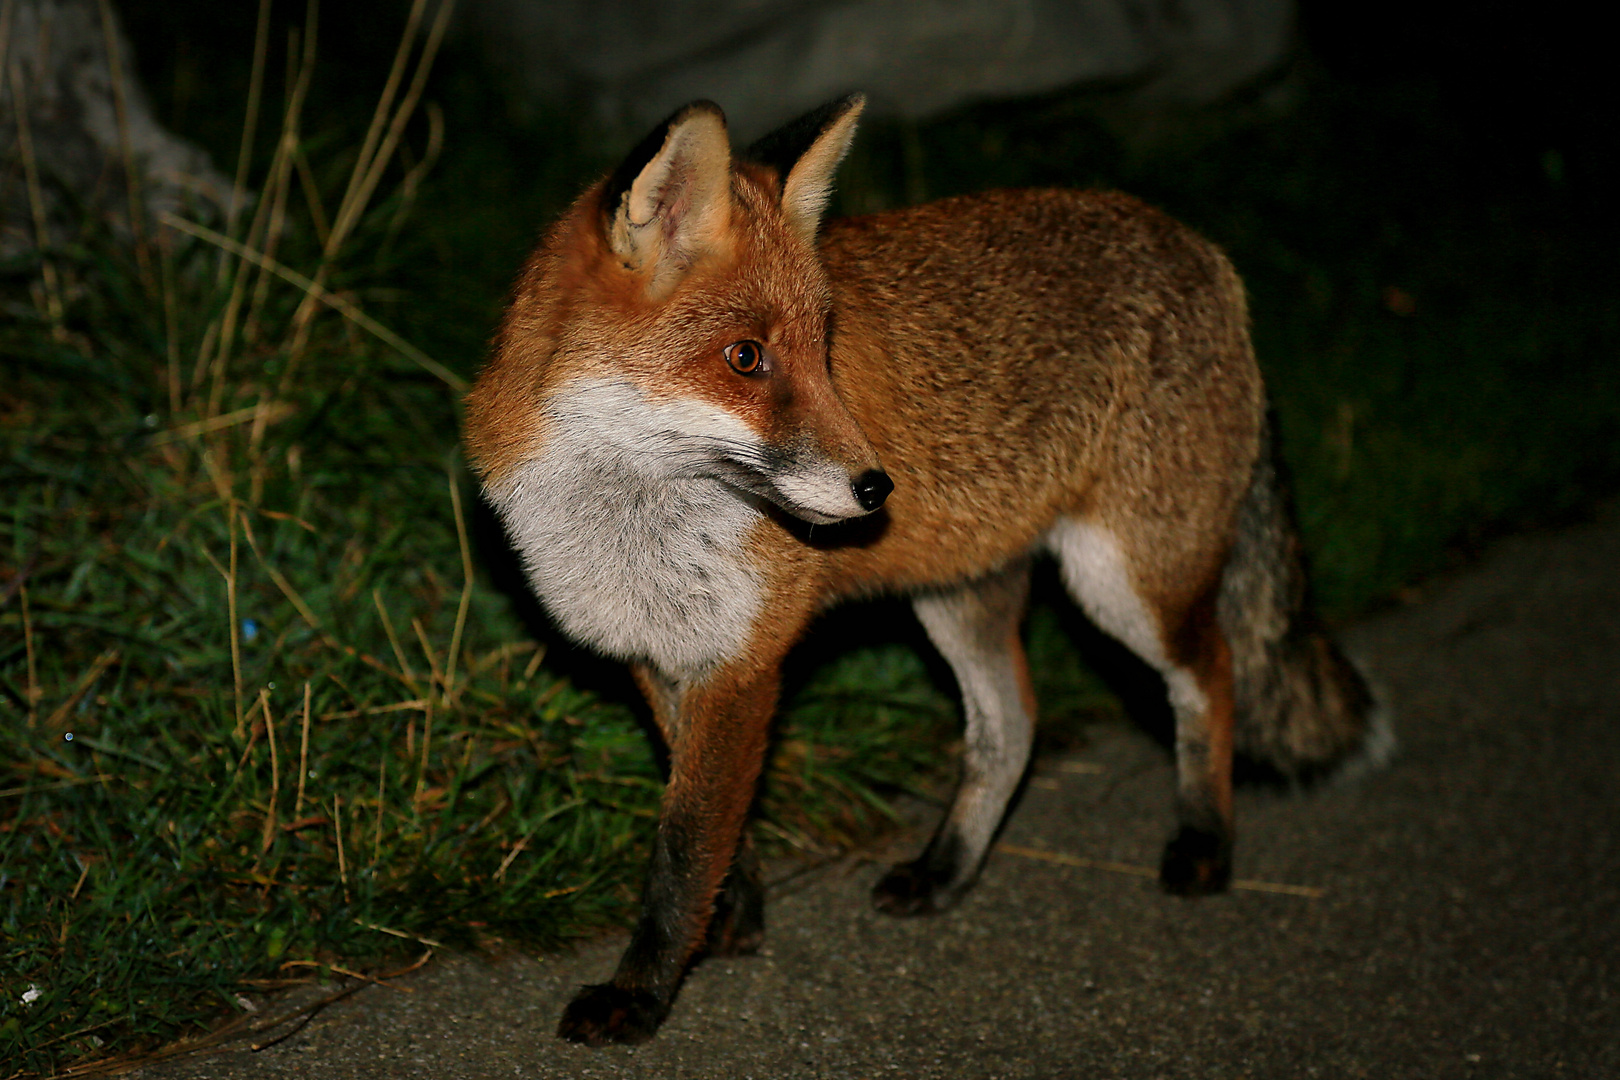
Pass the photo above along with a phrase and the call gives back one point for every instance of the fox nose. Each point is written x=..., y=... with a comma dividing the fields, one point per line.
x=871, y=488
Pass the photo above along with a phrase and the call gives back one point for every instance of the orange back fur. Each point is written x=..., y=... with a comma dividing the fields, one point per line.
x=1011, y=357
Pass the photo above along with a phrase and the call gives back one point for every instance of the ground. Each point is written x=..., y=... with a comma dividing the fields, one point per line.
x=1467, y=925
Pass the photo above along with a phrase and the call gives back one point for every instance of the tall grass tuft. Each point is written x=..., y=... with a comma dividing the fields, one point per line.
x=260, y=713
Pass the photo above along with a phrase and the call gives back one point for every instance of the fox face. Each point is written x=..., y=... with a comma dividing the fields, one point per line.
x=662, y=378
x=732, y=362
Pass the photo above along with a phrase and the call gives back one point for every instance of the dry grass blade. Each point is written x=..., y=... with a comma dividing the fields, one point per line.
x=348, y=973
x=307, y=1013
x=1310, y=892
x=287, y=590
x=250, y=122
x=437, y=678
x=240, y=1028
x=236, y=625
x=396, y=128
x=215, y=351
x=303, y=756
x=171, y=325
x=269, y=834
x=337, y=831
x=132, y=178
x=59, y=715
x=534, y=665
x=466, y=588
x=75, y=1035
x=377, y=710
x=35, y=692
x=36, y=204
x=379, y=118
x=429, y=942
x=414, y=177
x=31, y=789
x=393, y=639
x=370, y=166
x=84, y=874
x=312, y=196
x=517, y=849
x=270, y=412
x=336, y=303
x=435, y=674
x=382, y=787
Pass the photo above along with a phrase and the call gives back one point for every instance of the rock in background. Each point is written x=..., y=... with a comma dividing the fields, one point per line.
x=766, y=61
x=71, y=116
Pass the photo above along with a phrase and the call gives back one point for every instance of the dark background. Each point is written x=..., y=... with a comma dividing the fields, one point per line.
x=1505, y=101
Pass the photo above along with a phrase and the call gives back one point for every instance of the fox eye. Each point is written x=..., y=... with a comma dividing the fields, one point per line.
x=746, y=357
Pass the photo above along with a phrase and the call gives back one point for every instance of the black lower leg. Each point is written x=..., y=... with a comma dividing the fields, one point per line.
x=930, y=883
x=630, y=1008
x=1198, y=859
x=606, y=1013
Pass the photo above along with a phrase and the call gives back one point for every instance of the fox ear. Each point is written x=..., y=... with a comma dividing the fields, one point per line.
x=669, y=203
x=806, y=154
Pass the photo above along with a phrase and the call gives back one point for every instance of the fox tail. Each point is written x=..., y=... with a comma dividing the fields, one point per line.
x=1303, y=710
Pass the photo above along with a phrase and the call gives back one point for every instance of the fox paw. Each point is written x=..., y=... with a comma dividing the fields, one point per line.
x=910, y=889
x=1196, y=863
x=605, y=1014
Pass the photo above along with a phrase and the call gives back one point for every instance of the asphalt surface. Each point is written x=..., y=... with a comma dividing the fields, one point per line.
x=1469, y=924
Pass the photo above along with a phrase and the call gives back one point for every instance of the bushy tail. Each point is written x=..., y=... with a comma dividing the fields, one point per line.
x=1302, y=709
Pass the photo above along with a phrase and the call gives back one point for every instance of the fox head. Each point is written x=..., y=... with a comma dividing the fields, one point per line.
x=679, y=315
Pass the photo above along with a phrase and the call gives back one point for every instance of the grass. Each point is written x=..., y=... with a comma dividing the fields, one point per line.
x=313, y=718
x=259, y=702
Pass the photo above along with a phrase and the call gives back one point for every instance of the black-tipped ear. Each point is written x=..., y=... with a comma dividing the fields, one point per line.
x=669, y=203
x=806, y=154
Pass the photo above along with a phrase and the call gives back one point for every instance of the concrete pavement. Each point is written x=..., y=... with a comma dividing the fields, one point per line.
x=1469, y=924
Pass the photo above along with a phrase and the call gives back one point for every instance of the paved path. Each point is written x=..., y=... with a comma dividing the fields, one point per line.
x=1470, y=925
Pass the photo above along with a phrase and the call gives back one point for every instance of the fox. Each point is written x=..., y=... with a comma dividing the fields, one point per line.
x=709, y=416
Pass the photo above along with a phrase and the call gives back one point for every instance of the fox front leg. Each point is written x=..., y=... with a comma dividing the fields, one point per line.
x=715, y=760
x=738, y=926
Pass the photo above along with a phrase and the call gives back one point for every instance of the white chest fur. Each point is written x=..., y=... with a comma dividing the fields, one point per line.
x=627, y=540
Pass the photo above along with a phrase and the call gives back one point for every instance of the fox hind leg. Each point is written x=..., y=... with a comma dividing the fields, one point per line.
x=1198, y=858
x=1186, y=646
x=975, y=627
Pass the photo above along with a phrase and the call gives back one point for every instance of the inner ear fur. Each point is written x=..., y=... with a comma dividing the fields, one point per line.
x=806, y=154
x=668, y=205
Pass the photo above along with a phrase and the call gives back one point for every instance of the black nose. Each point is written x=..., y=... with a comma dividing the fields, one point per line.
x=871, y=488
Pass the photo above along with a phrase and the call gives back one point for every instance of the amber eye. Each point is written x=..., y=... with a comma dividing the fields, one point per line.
x=746, y=357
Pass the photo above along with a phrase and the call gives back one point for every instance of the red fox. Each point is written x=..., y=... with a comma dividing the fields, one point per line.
x=709, y=417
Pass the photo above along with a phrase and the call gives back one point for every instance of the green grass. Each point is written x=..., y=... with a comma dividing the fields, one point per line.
x=1440, y=356
x=167, y=840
